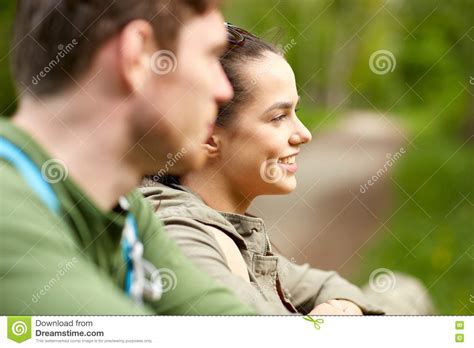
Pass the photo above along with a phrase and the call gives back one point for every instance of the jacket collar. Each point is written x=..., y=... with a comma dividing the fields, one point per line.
x=180, y=200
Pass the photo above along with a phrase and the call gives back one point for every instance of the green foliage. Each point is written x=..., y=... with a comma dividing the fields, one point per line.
x=434, y=231
x=7, y=93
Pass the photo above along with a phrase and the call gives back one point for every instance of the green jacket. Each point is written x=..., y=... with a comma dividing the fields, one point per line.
x=277, y=285
x=73, y=264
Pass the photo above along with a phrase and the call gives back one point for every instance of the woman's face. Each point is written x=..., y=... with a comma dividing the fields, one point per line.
x=258, y=147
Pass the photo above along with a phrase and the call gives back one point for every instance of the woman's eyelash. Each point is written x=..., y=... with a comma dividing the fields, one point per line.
x=279, y=118
x=283, y=116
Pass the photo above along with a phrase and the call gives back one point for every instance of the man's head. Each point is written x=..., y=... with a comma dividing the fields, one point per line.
x=157, y=60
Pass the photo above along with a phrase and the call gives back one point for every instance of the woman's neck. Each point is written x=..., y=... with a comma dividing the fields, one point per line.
x=217, y=192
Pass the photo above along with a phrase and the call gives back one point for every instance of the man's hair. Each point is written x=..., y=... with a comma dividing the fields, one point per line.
x=55, y=40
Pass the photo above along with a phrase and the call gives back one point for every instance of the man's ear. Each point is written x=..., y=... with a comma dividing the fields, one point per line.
x=136, y=46
x=213, y=146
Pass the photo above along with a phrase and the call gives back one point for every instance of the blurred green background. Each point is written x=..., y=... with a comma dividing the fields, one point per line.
x=430, y=91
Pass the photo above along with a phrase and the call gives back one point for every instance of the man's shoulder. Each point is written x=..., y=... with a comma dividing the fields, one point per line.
x=23, y=215
x=17, y=195
x=143, y=213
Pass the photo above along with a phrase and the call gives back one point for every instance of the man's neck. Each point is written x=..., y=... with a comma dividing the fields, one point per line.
x=95, y=150
x=217, y=192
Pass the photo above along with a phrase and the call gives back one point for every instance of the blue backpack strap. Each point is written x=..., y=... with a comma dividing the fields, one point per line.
x=30, y=173
x=130, y=237
x=132, y=248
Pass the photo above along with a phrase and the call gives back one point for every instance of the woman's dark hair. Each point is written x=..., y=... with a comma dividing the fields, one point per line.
x=242, y=47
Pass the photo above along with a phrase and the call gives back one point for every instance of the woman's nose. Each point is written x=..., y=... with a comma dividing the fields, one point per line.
x=301, y=135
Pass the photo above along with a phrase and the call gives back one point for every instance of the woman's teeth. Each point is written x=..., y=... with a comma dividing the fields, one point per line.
x=287, y=160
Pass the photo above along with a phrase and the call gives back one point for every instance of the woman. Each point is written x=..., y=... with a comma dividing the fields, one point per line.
x=251, y=152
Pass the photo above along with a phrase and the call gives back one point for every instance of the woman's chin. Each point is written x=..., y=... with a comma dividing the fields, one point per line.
x=285, y=186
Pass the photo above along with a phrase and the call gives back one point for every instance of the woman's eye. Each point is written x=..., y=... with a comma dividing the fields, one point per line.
x=279, y=118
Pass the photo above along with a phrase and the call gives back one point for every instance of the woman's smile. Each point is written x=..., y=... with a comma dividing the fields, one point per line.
x=288, y=163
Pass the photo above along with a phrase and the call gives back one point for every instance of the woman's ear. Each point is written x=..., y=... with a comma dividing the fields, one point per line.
x=212, y=146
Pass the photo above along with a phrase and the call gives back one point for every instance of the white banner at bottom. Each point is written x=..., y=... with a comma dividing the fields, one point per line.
x=241, y=332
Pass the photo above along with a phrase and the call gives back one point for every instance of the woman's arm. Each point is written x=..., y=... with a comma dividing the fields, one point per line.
x=308, y=288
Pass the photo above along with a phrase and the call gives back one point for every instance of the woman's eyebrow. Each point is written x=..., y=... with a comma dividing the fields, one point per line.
x=282, y=105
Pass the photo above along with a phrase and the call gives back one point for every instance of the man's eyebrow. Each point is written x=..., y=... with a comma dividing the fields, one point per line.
x=282, y=105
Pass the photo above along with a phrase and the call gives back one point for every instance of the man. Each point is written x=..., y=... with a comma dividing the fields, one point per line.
x=109, y=91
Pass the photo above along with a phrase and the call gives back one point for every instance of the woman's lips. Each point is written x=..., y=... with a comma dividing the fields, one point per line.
x=289, y=163
x=292, y=168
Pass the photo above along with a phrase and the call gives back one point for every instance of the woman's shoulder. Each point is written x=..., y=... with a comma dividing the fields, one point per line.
x=175, y=203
